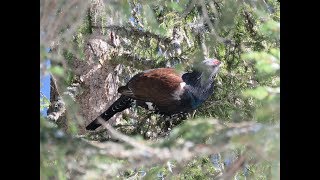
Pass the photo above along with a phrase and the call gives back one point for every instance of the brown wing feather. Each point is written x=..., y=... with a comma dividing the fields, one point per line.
x=156, y=85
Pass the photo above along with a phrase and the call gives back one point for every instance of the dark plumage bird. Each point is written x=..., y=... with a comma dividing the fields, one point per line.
x=165, y=91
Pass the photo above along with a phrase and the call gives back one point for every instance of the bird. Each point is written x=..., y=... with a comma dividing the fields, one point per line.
x=165, y=91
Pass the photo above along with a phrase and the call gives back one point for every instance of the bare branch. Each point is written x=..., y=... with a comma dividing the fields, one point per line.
x=132, y=32
x=232, y=170
x=250, y=23
x=123, y=137
x=144, y=154
x=130, y=59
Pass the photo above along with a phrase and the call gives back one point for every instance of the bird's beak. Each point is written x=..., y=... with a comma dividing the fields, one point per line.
x=216, y=62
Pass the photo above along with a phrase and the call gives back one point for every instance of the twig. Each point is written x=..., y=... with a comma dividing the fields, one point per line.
x=93, y=51
x=124, y=138
x=44, y=95
x=188, y=9
x=207, y=19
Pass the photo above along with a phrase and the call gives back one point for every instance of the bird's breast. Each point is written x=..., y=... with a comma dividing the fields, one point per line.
x=179, y=91
x=193, y=100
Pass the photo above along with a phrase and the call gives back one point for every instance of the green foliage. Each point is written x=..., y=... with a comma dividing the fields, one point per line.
x=68, y=56
x=52, y=163
x=44, y=103
x=185, y=132
x=57, y=70
x=199, y=168
x=154, y=172
x=151, y=22
x=175, y=6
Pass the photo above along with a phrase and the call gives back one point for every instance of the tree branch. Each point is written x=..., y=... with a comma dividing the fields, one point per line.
x=129, y=32
x=232, y=170
x=147, y=154
x=129, y=59
x=189, y=8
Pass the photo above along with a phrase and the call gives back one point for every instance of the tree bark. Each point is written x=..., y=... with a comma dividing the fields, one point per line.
x=99, y=80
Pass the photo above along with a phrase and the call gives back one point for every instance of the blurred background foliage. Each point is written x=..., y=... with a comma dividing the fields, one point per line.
x=234, y=135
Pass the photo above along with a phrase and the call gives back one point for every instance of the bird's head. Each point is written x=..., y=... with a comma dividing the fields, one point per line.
x=203, y=73
x=210, y=66
x=213, y=63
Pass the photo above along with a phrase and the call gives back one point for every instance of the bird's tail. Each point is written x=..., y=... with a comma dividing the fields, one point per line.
x=119, y=105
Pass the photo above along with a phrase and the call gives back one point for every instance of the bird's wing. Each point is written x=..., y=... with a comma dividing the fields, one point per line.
x=163, y=86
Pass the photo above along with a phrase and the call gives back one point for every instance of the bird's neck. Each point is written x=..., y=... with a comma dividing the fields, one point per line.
x=198, y=80
x=200, y=86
